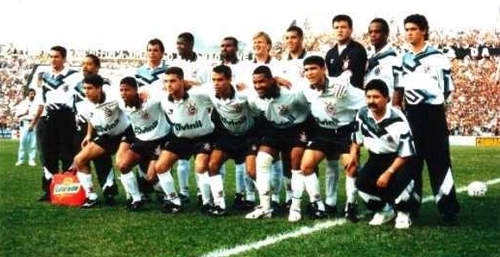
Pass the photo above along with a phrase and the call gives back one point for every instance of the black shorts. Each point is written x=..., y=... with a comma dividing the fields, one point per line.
x=331, y=142
x=111, y=143
x=237, y=147
x=186, y=147
x=283, y=139
x=148, y=150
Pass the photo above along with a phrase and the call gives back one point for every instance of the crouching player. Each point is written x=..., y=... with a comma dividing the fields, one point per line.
x=112, y=127
x=385, y=180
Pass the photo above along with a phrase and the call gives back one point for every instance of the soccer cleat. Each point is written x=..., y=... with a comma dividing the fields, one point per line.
x=450, y=219
x=382, y=217
x=276, y=206
x=145, y=198
x=294, y=215
x=184, y=198
x=199, y=198
x=109, y=200
x=206, y=209
x=351, y=212
x=44, y=198
x=32, y=163
x=241, y=204
x=403, y=220
x=315, y=212
x=217, y=211
x=170, y=207
x=89, y=203
x=288, y=204
x=135, y=205
x=259, y=212
x=331, y=210
x=19, y=163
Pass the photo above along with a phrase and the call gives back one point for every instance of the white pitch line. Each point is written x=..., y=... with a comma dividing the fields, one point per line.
x=301, y=231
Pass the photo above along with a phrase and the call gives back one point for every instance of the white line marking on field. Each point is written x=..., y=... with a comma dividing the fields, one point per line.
x=301, y=231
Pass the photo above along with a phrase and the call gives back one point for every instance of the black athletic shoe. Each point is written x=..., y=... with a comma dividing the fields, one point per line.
x=241, y=204
x=206, y=209
x=89, y=203
x=315, y=212
x=44, y=198
x=109, y=200
x=450, y=219
x=135, y=206
x=351, y=212
x=331, y=210
x=184, y=198
x=217, y=211
x=170, y=207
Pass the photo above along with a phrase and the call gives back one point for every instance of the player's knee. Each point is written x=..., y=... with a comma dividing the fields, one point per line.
x=264, y=161
x=79, y=161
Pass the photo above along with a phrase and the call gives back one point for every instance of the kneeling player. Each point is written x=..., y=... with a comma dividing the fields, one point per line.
x=385, y=179
x=111, y=126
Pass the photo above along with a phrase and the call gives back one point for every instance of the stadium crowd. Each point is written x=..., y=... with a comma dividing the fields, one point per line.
x=475, y=69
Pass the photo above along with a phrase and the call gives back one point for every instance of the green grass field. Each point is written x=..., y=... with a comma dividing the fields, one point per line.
x=30, y=228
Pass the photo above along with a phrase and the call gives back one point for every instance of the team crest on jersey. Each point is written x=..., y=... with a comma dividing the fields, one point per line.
x=330, y=109
x=345, y=65
x=108, y=112
x=283, y=110
x=66, y=88
x=191, y=109
x=389, y=139
x=144, y=115
x=207, y=147
x=377, y=71
x=238, y=108
x=303, y=137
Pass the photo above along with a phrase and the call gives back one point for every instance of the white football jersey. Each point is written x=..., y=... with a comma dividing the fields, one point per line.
x=426, y=77
x=148, y=121
x=288, y=109
x=198, y=71
x=332, y=112
x=190, y=116
x=106, y=118
x=58, y=90
x=386, y=66
x=235, y=113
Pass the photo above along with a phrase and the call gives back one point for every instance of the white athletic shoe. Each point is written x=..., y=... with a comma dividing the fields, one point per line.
x=19, y=163
x=403, y=220
x=259, y=212
x=32, y=163
x=382, y=217
x=294, y=215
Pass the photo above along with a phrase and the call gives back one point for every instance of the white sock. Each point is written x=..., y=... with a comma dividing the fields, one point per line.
x=311, y=184
x=263, y=164
x=276, y=180
x=167, y=184
x=350, y=189
x=331, y=181
x=217, y=188
x=204, y=186
x=86, y=182
x=250, y=188
x=183, y=167
x=297, y=182
x=130, y=185
x=240, y=171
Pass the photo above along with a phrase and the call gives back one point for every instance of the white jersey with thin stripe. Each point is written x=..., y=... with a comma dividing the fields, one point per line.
x=80, y=98
x=59, y=89
x=148, y=121
x=426, y=77
x=235, y=113
x=107, y=118
x=247, y=68
x=151, y=79
x=386, y=66
x=190, y=116
x=389, y=135
x=332, y=112
x=286, y=110
x=198, y=71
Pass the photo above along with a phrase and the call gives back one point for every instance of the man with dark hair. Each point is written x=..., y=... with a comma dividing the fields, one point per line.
x=229, y=51
x=386, y=179
x=108, y=132
x=58, y=90
x=25, y=113
x=285, y=112
x=427, y=85
x=103, y=163
x=346, y=60
x=383, y=63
